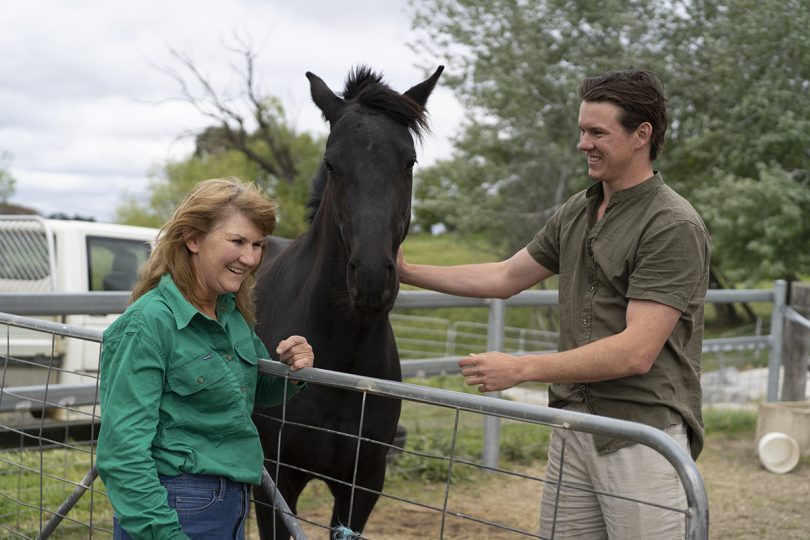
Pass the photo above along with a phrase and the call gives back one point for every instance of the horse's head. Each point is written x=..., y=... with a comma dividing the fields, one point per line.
x=363, y=188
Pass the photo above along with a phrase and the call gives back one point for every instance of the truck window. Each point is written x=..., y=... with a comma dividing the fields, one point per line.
x=24, y=260
x=113, y=263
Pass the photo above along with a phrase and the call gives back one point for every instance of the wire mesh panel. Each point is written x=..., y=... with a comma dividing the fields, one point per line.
x=436, y=484
x=47, y=437
x=444, y=495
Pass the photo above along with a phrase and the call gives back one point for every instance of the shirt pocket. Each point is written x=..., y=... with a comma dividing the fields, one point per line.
x=205, y=395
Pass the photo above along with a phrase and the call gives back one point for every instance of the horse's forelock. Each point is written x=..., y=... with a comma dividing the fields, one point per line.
x=368, y=88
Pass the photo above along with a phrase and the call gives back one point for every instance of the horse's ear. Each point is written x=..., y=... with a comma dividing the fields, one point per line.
x=421, y=91
x=324, y=98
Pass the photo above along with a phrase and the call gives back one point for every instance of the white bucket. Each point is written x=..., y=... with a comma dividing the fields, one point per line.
x=778, y=452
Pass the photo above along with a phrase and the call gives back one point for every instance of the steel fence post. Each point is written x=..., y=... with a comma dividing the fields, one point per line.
x=492, y=427
x=777, y=331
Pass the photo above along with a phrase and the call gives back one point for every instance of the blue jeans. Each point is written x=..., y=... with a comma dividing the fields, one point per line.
x=209, y=507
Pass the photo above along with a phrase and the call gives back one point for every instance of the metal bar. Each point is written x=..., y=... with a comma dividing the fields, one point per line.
x=50, y=327
x=736, y=343
x=281, y=506
x=69, y=503
x=90, y=303
x=492, y=428
x=106, y=302
x=724, y=296
x=697, y=517
x=794, y=316
x=777, y=335
x=25, y=398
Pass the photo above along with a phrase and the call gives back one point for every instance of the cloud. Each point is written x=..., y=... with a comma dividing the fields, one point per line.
x=86, y=110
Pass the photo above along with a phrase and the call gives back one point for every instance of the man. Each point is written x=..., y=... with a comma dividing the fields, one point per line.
x=633, y=264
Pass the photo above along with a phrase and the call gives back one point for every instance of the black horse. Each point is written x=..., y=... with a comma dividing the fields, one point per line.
x=336, y=285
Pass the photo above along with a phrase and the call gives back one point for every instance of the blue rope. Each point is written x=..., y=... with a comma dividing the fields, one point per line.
x=345, y=533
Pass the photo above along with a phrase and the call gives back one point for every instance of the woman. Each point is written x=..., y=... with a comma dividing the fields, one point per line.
x=177, y=448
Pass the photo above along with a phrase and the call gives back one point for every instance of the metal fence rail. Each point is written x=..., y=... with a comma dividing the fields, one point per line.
x=696, y=513
x=49, y=467
x=41, y=436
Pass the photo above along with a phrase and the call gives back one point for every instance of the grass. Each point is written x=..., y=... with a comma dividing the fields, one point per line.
x=34, y=479
x=417, y=474
x=730, y=423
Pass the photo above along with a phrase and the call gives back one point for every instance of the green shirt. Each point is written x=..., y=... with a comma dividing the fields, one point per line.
x=650, y=244
x=177, y=390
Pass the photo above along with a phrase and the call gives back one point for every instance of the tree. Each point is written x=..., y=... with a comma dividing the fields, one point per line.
x=170, y=181
x=8, y=184
x=736, y=74
x=764, y=227
x=251, y=138
x=515, y=66
x=255, y=125
x=740, y=82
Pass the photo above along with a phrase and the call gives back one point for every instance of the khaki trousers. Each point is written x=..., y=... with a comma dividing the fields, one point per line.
x=590, y=504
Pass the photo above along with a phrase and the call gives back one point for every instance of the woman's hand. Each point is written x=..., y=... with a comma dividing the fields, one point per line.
x=296, y=352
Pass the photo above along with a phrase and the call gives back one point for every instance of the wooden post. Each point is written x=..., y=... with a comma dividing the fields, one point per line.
x=796, y=345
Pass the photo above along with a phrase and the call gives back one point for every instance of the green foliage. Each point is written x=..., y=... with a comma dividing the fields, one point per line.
x=736, y=74
x=760, y=225
x=516, y=66
x=169, y=183
x=738, y=87
x=8, y=184
x=524, y=444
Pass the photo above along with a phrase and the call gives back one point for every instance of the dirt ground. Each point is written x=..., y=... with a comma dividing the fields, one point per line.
x=745, y=502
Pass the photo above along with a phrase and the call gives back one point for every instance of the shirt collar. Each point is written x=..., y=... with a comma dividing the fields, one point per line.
x=183, y=310
x=636, y=191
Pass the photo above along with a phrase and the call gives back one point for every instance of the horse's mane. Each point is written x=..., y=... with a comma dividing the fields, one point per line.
x=367, y=88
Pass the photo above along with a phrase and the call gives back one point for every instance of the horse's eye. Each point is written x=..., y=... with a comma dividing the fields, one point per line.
x=410, y=165
x=328, y=166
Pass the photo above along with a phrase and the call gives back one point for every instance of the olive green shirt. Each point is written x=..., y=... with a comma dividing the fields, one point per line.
x=177, y=391
x=650, y=244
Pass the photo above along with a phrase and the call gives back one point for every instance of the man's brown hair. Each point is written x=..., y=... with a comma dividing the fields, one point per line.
x=639, y=93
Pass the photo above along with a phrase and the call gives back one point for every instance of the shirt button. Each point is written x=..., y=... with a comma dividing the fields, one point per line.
x=200, y=380
x=229, y=357
x=243, y=389
x=592, y=288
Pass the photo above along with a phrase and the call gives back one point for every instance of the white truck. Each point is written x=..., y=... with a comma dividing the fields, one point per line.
x=40, y=255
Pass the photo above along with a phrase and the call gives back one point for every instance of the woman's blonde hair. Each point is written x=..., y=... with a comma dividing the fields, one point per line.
x=195, y=216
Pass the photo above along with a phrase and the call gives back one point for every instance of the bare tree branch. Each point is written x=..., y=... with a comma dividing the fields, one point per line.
x=198, y=90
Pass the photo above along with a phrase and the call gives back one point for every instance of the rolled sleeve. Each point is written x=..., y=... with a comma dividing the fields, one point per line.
x=670, y=265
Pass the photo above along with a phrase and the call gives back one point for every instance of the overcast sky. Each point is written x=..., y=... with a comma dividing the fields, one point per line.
x=85, y=109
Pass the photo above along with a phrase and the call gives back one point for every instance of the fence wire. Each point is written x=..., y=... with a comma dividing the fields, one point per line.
x=48, y=485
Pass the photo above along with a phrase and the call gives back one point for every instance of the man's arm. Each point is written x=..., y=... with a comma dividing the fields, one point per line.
x=484, y=280
x=630, y=352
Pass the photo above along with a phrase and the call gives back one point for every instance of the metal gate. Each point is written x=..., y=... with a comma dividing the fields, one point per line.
x=48, y=484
